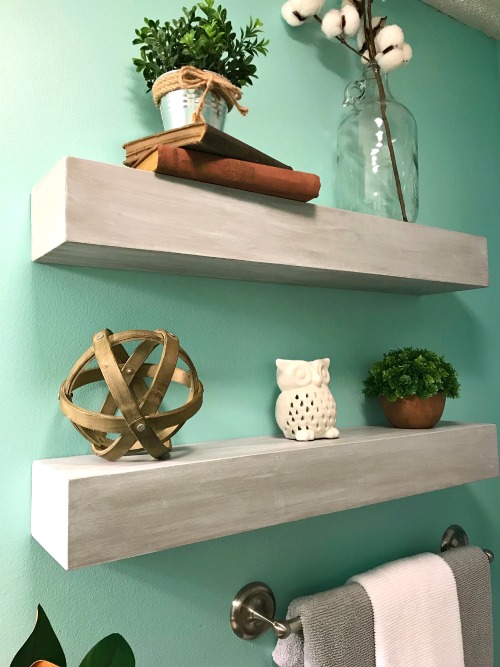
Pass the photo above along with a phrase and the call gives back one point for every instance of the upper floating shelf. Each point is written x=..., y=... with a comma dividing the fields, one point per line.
x=92, y=214
x=481, y=14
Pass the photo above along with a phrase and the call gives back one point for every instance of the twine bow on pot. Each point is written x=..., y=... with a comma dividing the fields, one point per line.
x=191, y=77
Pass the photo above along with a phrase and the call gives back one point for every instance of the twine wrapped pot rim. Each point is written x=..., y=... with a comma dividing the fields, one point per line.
x=189, y=77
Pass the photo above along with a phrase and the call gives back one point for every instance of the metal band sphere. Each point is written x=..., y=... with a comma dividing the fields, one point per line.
x=140, y=427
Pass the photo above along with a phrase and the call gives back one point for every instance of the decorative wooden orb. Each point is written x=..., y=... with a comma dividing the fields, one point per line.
x=141, y=428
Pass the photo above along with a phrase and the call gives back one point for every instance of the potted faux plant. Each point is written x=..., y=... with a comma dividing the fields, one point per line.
x=412, y=385
x=42, y=649
x=196, y=65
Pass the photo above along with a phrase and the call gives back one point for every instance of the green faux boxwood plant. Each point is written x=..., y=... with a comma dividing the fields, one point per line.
x=412, y=384
x=202, y=37
x=411, y=371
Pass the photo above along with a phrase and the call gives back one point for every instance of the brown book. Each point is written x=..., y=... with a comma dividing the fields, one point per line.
x=200, y=137
x=249, y=176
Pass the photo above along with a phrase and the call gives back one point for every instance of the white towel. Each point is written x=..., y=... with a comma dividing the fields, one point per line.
x=416, y=613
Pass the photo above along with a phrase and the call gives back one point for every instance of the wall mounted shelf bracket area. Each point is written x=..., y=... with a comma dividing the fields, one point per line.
x=86, y=213
x=87, y=511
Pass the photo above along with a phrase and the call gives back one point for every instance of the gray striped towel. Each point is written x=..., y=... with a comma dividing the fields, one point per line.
x=471, y=569
x=338, y=627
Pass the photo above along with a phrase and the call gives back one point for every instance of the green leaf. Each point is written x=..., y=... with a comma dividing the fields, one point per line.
x=42, y=644
x=112, y=651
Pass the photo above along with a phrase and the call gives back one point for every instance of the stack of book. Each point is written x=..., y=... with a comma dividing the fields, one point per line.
x=200, y=152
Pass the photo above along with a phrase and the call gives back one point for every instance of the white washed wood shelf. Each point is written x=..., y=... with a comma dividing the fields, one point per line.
x=86, y=213
x=87, y=511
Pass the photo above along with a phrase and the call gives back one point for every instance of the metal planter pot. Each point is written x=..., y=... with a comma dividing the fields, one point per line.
x=177, y=108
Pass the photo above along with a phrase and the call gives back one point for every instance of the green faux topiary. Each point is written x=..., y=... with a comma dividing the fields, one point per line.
x=411, y=371
x=204, y=39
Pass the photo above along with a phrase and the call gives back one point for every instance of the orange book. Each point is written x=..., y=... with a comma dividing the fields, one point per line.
x=231, y=173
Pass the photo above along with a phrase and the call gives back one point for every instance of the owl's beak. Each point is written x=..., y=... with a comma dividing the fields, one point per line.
x=316, y=380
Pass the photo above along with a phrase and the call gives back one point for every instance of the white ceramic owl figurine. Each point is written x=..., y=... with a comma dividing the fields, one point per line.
x=305, y=409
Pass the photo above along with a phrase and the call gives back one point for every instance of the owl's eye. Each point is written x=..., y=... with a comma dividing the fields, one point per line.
x=302, y=374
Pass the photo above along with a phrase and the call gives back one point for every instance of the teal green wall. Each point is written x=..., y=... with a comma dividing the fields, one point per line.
x=68, y=88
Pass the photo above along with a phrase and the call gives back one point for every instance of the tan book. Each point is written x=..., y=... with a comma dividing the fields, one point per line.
x=198, y=137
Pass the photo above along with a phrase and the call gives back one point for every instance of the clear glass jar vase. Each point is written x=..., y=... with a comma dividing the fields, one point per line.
x=366, y=177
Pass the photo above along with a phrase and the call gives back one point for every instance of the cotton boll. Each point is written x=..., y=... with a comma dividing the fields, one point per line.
x=407, y=53
x=332, y=23
x=378, y=22
x=390, y=61
x=365, y=57
x=306, y=7
x=391, y=35
x=351, y=20
x=289, y=16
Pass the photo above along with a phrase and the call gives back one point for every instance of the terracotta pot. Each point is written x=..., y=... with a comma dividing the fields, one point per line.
x=414, y=412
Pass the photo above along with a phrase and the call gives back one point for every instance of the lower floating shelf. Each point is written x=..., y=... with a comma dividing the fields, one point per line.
x=87, y=511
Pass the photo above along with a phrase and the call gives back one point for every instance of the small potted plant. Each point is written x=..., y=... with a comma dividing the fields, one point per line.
x=197, y=63
x=412, y=385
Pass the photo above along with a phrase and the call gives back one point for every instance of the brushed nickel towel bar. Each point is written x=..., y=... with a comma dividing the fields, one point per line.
x=253, y=608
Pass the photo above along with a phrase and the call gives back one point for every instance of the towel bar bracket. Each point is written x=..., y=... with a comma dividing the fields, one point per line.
x=252, y=613
x=455, y=536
